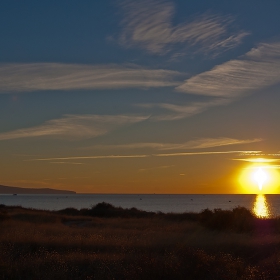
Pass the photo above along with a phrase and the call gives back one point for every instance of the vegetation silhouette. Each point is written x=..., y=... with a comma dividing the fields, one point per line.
x=108, y=242
x=239, y=219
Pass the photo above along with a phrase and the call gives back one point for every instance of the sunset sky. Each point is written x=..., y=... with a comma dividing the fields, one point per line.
x=145, y=96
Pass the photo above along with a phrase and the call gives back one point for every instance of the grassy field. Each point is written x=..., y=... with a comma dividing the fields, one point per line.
x=105, y=242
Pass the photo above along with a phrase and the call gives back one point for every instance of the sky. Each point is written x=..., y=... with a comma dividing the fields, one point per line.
x=151, y=96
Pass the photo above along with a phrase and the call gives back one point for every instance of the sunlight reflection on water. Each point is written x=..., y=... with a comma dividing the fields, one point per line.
x=261, y=207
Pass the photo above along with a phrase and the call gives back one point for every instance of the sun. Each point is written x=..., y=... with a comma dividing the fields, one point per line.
x=259, y=177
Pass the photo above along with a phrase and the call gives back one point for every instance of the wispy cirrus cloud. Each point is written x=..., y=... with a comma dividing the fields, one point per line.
x=213, y=142
x=74, y=127
x=257, y=69
x=65, y=162
x=176, y=112
x=61, y=76
x=258, y=160
x=267, y=163
x=89, y=157
x=201, y=143
x=203, y=153
x=148, y=24
x=52, y=159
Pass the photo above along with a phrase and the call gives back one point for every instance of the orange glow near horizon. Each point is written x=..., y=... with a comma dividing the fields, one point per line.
x=260, y=177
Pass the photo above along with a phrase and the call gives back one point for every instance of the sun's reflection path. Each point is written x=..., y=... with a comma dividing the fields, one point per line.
x=261, y=207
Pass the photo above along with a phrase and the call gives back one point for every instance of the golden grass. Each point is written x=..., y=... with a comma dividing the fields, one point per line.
x=48, y=245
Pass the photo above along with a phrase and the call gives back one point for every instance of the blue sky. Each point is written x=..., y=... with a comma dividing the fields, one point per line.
x=137, y=96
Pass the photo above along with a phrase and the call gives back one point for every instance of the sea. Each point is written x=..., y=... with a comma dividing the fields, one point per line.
x=261, y=205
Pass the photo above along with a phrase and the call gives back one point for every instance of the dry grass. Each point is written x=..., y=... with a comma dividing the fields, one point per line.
x=49, y=245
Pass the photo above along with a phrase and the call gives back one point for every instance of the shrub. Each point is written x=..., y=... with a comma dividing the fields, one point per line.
x=239, y=219
x=69, y=211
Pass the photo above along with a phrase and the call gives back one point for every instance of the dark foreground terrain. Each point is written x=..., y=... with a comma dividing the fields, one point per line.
x=106, y=242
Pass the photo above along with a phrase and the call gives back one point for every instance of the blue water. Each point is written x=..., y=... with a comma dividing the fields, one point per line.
x=164, y=203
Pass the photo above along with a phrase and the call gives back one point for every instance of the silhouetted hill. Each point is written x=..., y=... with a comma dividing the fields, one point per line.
x=17, y=190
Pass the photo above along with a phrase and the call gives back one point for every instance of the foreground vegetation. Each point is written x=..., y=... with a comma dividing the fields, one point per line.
x=106, y=242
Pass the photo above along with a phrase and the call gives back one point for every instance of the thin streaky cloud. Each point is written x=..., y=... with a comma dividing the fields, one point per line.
x=90, y=157
x=200, y=153
x=30, y=77
x=193, y=144
x=148, y=24
x=73, y=127
x=139, y=156
x=257, y=69
x=258, y=160
x=253, y=153
x=184, y=111
x=217, y=142
x=267, y=166
x=127, y=146
x=65, y=162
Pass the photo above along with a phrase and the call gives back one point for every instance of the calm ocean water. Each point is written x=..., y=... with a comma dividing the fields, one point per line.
x=157, y=202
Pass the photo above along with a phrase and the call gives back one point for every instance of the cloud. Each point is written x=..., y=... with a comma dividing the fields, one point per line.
x=140, y=156
x=74, y=127
x=217, y=142
x=148, y=24
x=89, y=157
x=258, y=160
x=58, y=76
x=65, y=162
x=202, y=143
x=202, y=153
x=128, y=146
x=183, y=111
x=257, y=69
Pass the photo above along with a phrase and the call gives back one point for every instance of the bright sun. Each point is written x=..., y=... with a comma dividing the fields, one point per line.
x=260, y=177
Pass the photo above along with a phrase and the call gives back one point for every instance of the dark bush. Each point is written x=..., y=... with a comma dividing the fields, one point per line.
x=205, y=215
x=239, y=219
x=107, y=210
x=69, y=211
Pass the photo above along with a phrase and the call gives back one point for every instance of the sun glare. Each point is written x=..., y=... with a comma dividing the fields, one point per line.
x=259, y=177
x=261, y=208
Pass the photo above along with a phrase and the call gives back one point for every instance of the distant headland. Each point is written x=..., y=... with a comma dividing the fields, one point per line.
x=17, y=190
